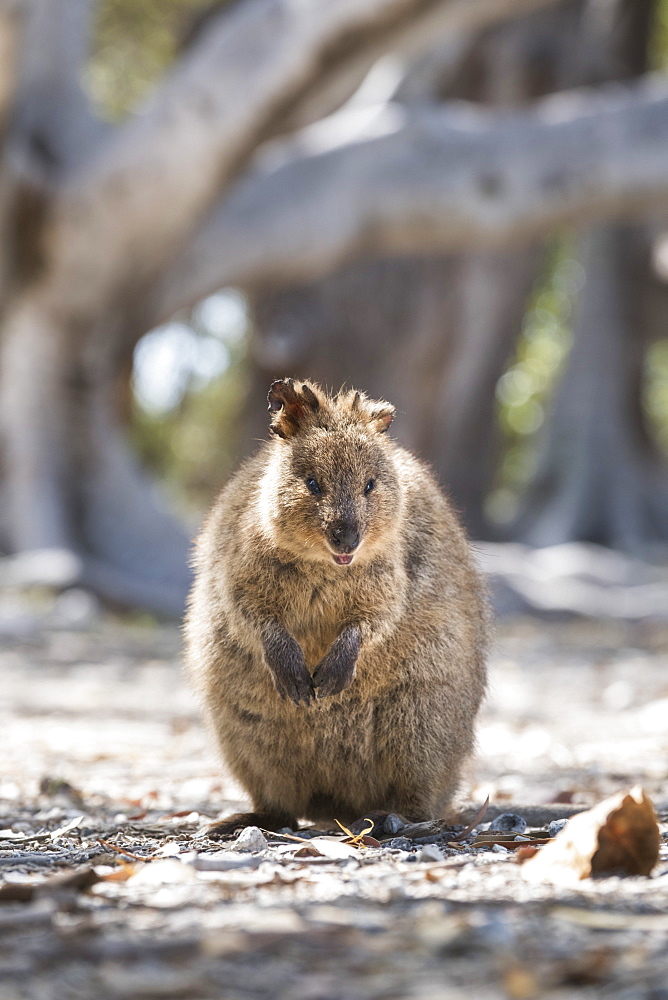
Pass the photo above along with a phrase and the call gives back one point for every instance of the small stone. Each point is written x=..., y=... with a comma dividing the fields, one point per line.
x=431, y=852
x=399, y=844
x=251, y=840
x=508, y=823
x=499, y=849
x=556, y=826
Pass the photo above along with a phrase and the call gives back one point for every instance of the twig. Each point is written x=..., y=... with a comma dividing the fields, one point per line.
x=285, y=836
x=120, y=850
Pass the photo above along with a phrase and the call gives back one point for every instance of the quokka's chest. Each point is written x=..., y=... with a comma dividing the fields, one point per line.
x=315, y=615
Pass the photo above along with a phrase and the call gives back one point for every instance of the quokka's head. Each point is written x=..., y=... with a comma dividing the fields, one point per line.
x=331, y=492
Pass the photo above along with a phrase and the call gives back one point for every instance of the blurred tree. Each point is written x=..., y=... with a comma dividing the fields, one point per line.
x=248, y=165
x=601, y=475
x=434, y=335
x=441, y=331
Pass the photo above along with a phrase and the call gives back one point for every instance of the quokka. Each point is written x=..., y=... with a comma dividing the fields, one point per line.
x=337, y=626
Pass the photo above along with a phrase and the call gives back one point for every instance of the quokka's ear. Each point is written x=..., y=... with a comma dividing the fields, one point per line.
x=290, y=403
x=381, y=418
x=376, y=413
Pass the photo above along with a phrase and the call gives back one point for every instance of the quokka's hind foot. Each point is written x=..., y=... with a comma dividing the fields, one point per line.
x=392, y=824
x=237, y=821
x=385, y=824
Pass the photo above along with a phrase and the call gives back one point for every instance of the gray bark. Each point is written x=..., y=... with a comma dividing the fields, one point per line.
x=464, y=441
x=600, y=478
x=90, y=215
x=434, y=179
x=433, y=335
x=211, y=113
x=94, y=218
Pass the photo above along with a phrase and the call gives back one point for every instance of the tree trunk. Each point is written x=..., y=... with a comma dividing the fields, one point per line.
x=70, y=481
x=95, y=221
x=464, y=443
x=601, y=479
x=370, y=325
x=433, y=335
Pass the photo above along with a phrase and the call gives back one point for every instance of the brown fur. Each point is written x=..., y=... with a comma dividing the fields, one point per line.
x=393, y=643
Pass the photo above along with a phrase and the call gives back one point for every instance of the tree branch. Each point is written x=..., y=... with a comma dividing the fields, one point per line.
x=433, y=180
x=139, y=199
x=12, y=20
x=52, y=125
x=426, y=29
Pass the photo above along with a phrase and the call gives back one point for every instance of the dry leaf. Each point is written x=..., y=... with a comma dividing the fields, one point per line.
x=120, y=874
x=362, y=840
x=474, y=822
x=524, y=852
x=308, y=852
x=77, y=880
x=17, y=892
x=359, y=839
x=167, y=871
x=619, y=835
x=520, y=983
x=333, y=848
x=63, y=830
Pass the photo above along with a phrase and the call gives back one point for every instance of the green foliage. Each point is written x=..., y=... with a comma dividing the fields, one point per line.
x=524, y=390
x=185, y=430
x=193, y=447
x=656, y=392
x=134, y=42
x=658, y=45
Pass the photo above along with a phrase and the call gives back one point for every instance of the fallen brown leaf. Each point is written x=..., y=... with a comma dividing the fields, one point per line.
x=17, y=892
x=77, y=880
x=524, y=852
x=120, y=874
x=520, y=983
x=478, y=818
x=619, y=835
x=308, y=852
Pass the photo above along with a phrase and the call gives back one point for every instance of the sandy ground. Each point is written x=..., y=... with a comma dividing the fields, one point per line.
x=97, y=723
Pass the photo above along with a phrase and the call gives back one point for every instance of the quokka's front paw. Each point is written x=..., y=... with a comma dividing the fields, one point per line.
x=331, y=676
x=286, y=661
x=336, y=670
x=295, y=682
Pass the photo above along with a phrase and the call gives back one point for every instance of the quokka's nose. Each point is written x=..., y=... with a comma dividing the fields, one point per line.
x=344, y=537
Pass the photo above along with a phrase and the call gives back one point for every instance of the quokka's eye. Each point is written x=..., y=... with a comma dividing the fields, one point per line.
x=314, y=486
x=371, y=485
